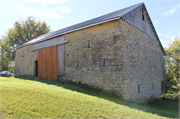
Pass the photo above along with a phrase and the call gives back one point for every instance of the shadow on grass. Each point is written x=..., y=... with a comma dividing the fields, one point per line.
x=159, y=107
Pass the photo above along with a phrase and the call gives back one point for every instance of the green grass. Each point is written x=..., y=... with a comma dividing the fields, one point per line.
x=34, y=98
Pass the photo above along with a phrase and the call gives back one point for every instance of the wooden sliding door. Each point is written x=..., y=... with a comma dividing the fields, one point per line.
x=47, y=63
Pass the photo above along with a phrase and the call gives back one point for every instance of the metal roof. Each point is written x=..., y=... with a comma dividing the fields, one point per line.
x=95, y=21
x=105, y=18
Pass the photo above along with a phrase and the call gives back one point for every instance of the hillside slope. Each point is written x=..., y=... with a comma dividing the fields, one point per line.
x=30, y=98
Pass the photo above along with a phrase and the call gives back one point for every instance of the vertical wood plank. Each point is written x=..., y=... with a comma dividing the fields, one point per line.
x=42, y=63
x=60, y=60
x=54, y=60
x=52, y=63
x=48, y=53
x=36, y=55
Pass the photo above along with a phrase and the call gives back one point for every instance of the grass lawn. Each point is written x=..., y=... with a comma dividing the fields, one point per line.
x=34, y=98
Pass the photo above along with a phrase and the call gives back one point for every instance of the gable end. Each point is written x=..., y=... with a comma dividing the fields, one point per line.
x=140, y=18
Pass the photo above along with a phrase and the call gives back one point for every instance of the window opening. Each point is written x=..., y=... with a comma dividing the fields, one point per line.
x=77, y=65
x=142, y=14
x=104, y=62
x=88, y=43
x=138, y=88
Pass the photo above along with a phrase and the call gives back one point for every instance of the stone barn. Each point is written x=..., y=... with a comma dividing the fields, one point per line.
x=119, y=52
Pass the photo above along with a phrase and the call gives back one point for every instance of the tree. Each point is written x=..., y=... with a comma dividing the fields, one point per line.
x=172, y=60
x=22, y=31
x=4, y=61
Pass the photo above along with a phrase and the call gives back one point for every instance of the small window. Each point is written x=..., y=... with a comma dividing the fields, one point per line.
x=142, y=14
x=88, y=43
x=153, y=86
x=104, y=62
x=77, y=65
x=138, y=88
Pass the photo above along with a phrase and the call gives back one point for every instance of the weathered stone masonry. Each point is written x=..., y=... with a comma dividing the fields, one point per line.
x=116, y=57
x=24, y=62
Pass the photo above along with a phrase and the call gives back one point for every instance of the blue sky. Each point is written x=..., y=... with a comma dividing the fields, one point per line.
x=165, y=14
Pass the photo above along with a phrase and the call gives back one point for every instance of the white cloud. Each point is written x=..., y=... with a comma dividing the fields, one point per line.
x=156, y=21
x=44, y=3
x=169, y=13
x=172, y=11
x=34, y=11
x=63, y=9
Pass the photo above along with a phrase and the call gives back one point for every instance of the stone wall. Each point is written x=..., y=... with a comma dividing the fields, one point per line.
x=92, y=57
x=24, y=61
x=141, y=58
x=115, y=57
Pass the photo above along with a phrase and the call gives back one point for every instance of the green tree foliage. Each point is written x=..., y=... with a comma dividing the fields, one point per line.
x=22, y=31
x=172, y=60
x=4, y=57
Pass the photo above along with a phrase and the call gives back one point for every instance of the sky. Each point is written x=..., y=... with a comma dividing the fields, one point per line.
x=58, y=14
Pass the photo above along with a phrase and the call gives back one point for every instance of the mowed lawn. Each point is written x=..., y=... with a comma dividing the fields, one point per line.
x=34, y=98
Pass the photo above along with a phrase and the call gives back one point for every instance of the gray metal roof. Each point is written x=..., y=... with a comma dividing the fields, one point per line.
x=102, y=19
x=91, y=22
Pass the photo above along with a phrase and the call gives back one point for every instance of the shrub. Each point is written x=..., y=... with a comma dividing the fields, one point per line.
x=172, y=97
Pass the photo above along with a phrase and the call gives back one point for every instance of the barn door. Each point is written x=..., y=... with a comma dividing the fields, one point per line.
x=47, y=63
